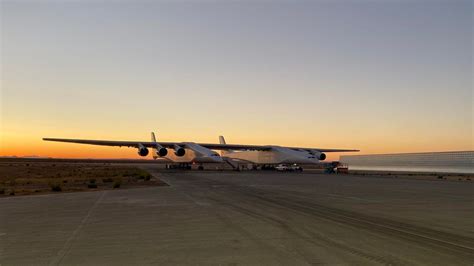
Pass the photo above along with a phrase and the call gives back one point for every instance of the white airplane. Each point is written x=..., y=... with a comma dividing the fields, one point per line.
x=186, y=153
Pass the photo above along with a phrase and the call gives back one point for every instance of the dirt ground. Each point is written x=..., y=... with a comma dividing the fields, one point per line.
x=37, y=177
x=22, y=176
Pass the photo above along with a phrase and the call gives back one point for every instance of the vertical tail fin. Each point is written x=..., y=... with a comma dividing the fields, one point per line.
x=154, y=151
x=222, y=141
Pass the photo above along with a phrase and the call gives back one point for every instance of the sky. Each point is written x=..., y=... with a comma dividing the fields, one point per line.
x=379, y=76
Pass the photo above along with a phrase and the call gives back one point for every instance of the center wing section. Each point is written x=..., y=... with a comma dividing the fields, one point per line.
x=266, y=148
x=214, y=146
x=324, y=150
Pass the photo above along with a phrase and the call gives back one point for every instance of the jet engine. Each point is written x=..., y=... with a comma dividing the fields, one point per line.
x=142, y=150
x=179, y=151
x=161, y=151
x=319, y=155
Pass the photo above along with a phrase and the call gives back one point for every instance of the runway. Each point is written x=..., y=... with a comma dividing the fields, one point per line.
x=247, y=218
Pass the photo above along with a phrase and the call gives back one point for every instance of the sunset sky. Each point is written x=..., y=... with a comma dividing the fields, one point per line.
x=379, y=76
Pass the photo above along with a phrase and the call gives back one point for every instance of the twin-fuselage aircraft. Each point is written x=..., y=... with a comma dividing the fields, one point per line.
x=187, y=153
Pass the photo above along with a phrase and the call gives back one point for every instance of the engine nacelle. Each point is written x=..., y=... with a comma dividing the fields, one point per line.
x=162, y=151
x=319, y=155
x=179, y=151
x=142, y=150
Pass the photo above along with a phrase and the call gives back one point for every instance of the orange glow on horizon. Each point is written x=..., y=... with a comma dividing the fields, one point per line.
x=21, y=146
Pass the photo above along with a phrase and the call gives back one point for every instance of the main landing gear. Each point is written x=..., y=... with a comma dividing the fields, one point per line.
x=185, y=166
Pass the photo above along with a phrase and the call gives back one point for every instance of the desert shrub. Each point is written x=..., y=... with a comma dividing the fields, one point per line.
x=55, y=186
x=144, y=175
x=92, y=184
x=10, y=182
x=440, y=177
x=2, y=190
x=117, y=183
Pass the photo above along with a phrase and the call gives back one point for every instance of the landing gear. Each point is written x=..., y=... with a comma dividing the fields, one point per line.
x=268, y=167
x=185, y=166
x=329, y=171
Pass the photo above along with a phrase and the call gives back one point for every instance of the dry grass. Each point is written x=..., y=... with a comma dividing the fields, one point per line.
x=25, y=178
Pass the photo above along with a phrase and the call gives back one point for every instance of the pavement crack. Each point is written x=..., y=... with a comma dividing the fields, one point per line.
x=67, y=245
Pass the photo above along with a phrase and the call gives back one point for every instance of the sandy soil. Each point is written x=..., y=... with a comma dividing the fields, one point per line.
x=26, y=177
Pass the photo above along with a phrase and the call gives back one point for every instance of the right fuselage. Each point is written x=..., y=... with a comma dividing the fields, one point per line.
x=277, y=155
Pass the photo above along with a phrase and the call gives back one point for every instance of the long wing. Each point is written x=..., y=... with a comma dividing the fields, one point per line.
x=211, y=146
x=164, y=144
x=115, y=143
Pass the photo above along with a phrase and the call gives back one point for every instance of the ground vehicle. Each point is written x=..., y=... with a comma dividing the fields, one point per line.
x=295, y=167
x=282, y=167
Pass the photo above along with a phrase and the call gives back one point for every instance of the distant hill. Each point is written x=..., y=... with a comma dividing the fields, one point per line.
x=26, y=157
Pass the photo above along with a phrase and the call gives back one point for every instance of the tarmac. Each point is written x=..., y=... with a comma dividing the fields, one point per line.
x=245, y=218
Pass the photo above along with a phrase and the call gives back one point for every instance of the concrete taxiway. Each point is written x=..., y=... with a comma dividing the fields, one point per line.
x=229, y=218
